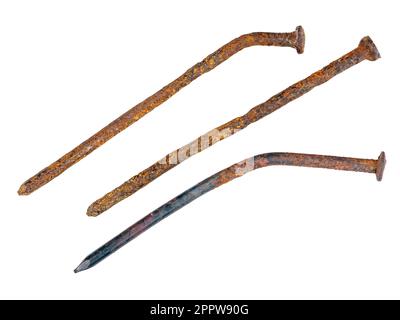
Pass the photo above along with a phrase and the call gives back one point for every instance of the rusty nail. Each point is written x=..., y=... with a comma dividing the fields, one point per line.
x=224, y=176
x=293, y=39
x=365, y=50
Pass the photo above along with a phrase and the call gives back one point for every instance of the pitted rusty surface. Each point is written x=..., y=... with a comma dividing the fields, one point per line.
x=365, y=50
x=301, y=160
x=293, y=39
x=224, y=176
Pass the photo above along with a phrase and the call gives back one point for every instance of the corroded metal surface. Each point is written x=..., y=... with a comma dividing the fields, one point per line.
x=293, y=39
x=224, y=176
x=365, y=50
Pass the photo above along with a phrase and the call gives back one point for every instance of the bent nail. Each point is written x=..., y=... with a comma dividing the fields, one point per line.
x=293, y=39
x=224, y=176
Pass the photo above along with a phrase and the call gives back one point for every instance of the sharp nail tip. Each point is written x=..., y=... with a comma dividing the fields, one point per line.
x=82, y=267
x=22, y=191
x=91, y=213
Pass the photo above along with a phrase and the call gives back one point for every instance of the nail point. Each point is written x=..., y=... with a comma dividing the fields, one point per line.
x=92, y=211
x=83, y=266
x=23, y=190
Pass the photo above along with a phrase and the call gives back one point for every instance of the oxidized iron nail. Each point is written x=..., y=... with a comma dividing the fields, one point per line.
x=224, y=176
x=294, y=39
x=365, y=50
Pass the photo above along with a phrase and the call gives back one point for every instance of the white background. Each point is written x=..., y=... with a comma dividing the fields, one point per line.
x=67, y=68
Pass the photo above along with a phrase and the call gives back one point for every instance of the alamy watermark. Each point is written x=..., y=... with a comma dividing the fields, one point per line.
x=203, y=142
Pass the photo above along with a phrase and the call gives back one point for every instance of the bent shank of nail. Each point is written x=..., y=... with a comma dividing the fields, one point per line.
x=294, y=39
x=365, y=50
x=224, y=176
